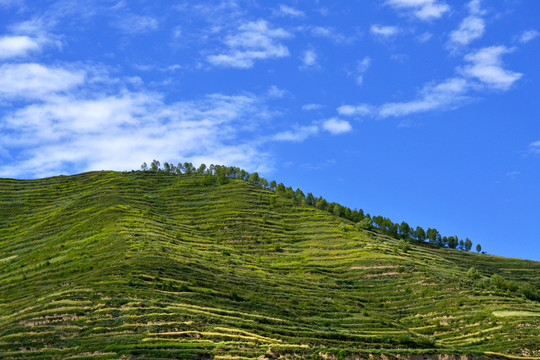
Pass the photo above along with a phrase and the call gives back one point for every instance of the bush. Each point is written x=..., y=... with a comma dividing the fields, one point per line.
x=529, y=291
x=404, y=246
x=365, y=224
x=473, y=274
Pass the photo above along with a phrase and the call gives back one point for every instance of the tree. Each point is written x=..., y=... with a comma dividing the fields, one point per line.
x=478, y=248
x=254, y=178
x=452, y=242
x=338, y=210
x=273, y=185
x=468, y=244
x=300, y=195
x=289, y=193
x=404, y=229
x=432, y=235
x=365, y=224
x=180, y=168
x=321, y=203
x=154, y=166
x=473, y=274
x=167, y=167
x=189, y=168
x=144, y=167
x=201, y=169
x=420, y=233
x=310, y=199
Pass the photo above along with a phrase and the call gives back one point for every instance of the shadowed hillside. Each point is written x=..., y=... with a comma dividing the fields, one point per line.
x=107, y=265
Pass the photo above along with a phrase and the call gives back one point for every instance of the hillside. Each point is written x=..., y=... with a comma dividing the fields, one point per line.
x=107, y=265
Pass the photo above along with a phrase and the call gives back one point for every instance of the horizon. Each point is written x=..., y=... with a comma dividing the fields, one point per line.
x=420, y=111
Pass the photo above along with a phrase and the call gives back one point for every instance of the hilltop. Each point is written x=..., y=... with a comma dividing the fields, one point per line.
x=155, y=265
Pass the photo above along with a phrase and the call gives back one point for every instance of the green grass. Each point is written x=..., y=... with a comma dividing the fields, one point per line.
x=107, y=265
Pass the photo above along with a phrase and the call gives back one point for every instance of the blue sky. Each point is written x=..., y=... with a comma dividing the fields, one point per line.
x=418, y=110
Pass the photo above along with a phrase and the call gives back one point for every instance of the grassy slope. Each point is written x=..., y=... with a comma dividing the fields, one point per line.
x=143, y=265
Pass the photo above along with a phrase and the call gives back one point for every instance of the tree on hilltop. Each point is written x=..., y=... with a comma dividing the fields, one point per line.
x=154, y=166
x=468, y=244
x=420, y=233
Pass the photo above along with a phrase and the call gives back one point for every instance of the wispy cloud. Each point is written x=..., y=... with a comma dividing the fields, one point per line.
x=253, y=41
x=484, y=70
x=422, y=9
x=312, y=107
x=309, y=60
x=27, y=38
x=336, y=126
x=486, y=66
x=7, y=3
x=361, y=67
x=445, y=95
x=384, y=31
x=91, y=127
x=289, y=11
x=275, y=92
x=355, y=110
x=17, y=46
x=424, y=37
x=136, y=24
x=36, y=81
x=331, y=34
x=298, y=134
x=471, y=28
x=534, y=148
x=528, y=35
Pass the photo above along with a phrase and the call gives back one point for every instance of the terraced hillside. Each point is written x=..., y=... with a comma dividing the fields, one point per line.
x=107, y=265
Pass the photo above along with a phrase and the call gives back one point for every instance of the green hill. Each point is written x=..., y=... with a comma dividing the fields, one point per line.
x=108, y=265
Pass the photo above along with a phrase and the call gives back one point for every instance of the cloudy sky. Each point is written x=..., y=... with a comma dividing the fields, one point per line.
x=418, y=110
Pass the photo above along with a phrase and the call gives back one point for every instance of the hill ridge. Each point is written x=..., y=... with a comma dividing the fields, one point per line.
x=105, y=265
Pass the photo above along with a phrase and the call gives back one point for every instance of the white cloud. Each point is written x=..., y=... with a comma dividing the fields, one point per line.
x=296, y=135
x=311, y=107
x=423, y=9
x=528, y=36
x=331, y=34
x=445, y=95
x=486, y=66
x=336, y=126
x=136, y=24
x=275, y=92
x=7, y=3
x=289, y=11
x=355, y=110
x=253, y=41
x=534, y=148
x=384, y=31
x=309, y=59
x=475, y=8
x=78, y=123
x=17, y=46
x=361, y=67
x=31, y=81
x=425, y=37
x=471, y=28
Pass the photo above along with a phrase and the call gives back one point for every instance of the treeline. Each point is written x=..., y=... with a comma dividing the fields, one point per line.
x=362, y=220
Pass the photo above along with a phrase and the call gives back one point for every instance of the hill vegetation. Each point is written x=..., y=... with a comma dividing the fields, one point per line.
x=364, y=221
x=203, y=264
